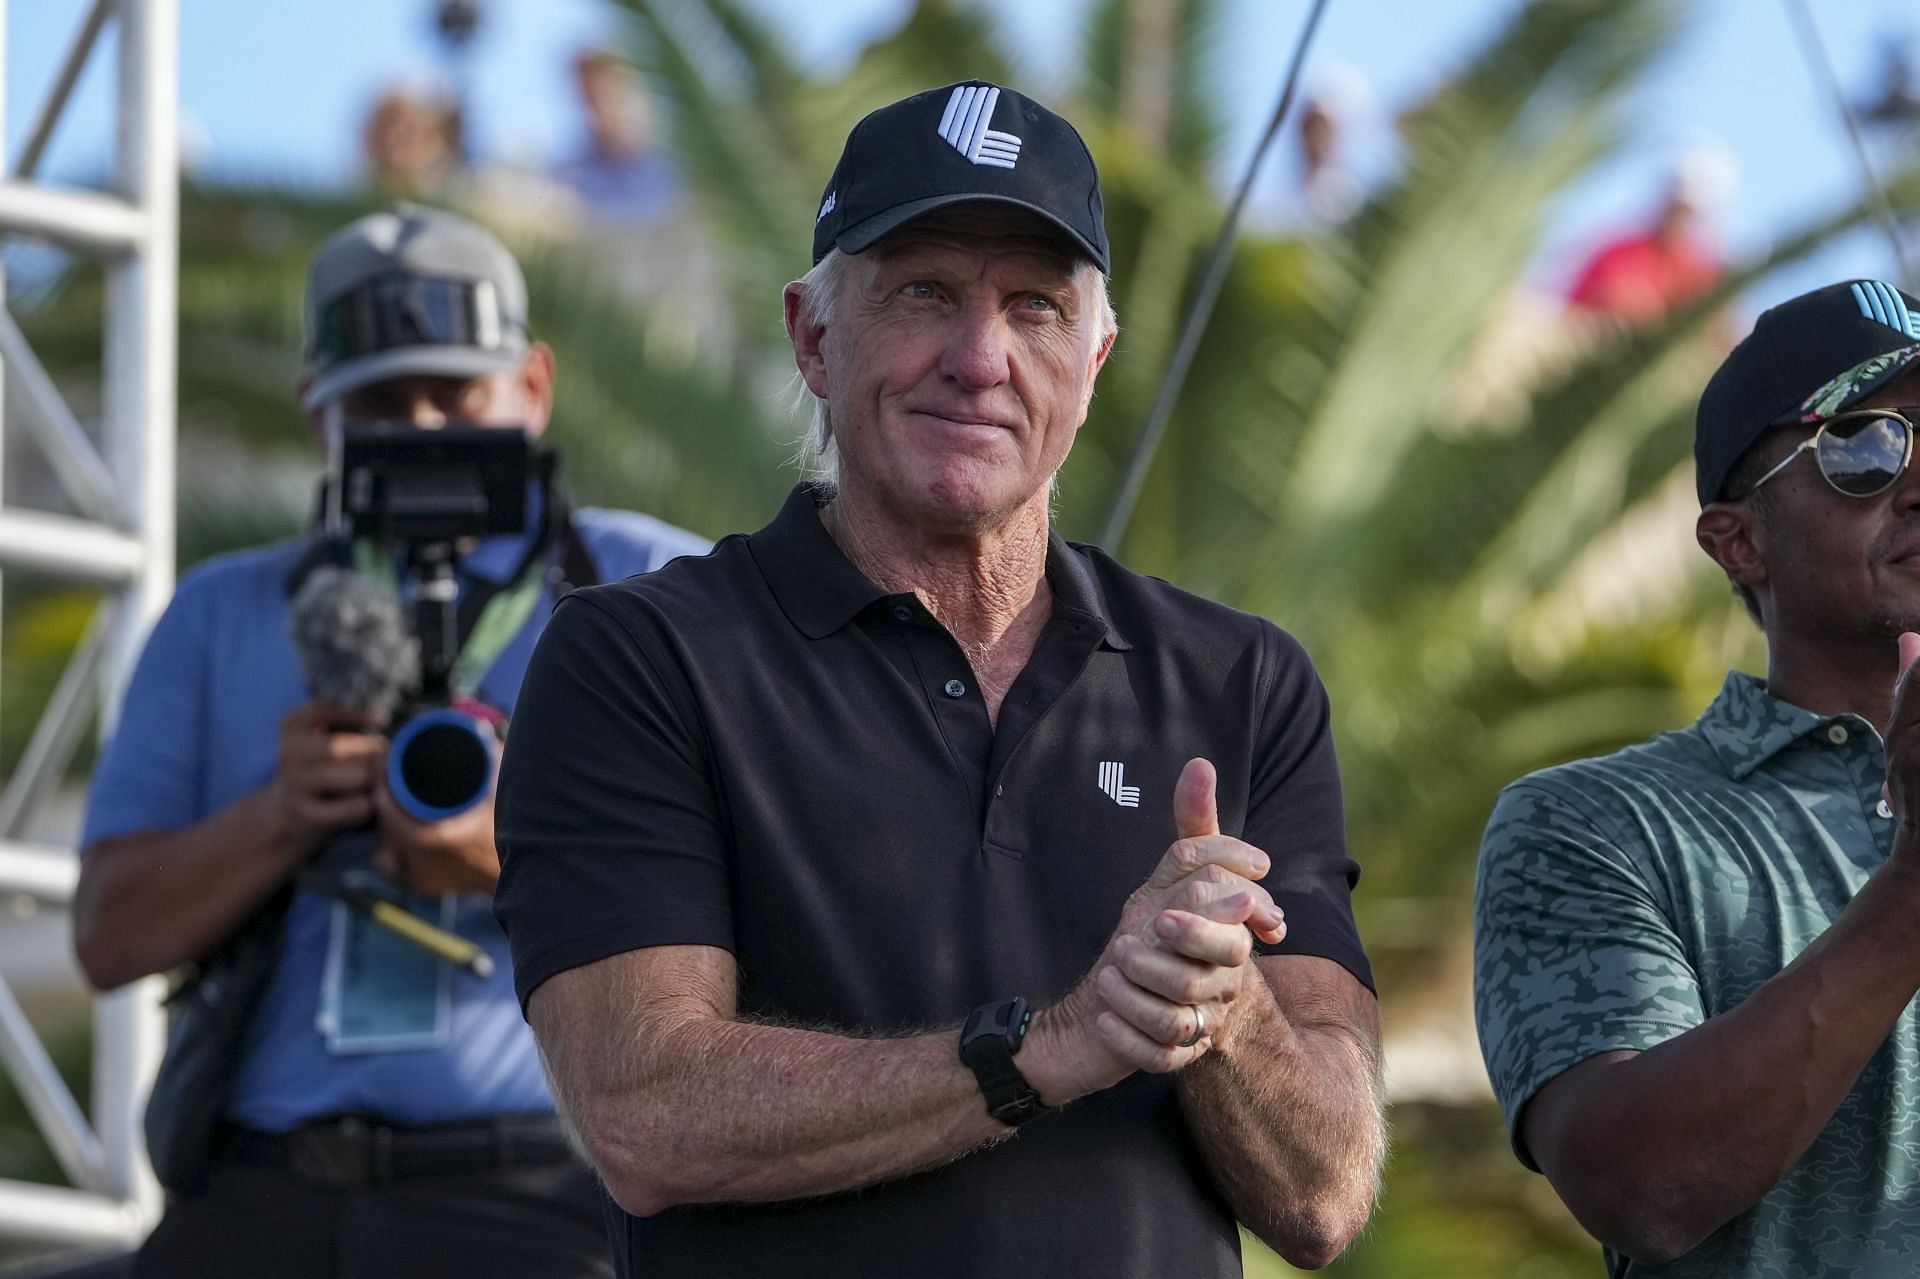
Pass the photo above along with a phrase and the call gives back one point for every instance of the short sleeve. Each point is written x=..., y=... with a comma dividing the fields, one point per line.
x=151, y=776
x=1573, y=956
x=606, y=818
x=1294, y=813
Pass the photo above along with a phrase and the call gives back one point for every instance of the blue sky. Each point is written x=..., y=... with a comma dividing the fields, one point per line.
x=276, y=88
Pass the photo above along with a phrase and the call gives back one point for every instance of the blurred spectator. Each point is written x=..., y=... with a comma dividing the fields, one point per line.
x=1329, y=188
x=618, y=174
x=1897, y=105
x=411, y=144
x=1642, y=277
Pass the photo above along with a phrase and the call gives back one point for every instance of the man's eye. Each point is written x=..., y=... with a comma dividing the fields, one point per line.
x=1039, y=302
x=919, y=289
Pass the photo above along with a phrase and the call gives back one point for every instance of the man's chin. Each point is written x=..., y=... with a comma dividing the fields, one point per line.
x=972, y=501
x=1891, y=623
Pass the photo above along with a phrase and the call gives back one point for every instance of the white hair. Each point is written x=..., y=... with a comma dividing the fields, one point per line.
x=814, y=454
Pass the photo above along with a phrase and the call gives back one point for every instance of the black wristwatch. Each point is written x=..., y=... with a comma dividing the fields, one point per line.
x=988, y=1042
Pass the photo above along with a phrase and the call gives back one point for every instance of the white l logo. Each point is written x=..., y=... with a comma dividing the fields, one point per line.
x=964, y=126
x=1113, y=778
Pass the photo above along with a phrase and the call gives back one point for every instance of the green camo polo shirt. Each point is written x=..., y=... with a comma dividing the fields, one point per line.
x=1626, y=899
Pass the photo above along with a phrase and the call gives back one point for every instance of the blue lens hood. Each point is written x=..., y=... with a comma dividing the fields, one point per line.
x=446, y=753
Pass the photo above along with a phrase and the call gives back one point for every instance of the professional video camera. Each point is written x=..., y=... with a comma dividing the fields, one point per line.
x=405, y=499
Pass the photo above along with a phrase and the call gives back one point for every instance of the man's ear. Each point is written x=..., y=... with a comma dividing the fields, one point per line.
x=1733, y=534
x=536, y=386
x=1093, y=372
x=808, y=340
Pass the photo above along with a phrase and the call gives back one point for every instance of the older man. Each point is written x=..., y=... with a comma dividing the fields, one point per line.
x=775, y=821
x=1697, y=957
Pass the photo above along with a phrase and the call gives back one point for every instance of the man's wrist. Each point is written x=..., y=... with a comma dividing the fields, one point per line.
x=990, y=1045
x=1897, y=882
x=290, y=839
x=1049, y=1060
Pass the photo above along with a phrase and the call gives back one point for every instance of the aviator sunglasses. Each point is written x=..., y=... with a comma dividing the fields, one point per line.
x=1860, y=452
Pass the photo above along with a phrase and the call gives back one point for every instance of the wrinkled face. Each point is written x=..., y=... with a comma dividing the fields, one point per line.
x=959, y=365
x=1839, y=566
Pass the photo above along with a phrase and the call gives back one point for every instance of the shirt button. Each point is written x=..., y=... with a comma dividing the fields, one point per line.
x=956, y=689
x=1837, y=734
x=902, y=612
x=1883, y=809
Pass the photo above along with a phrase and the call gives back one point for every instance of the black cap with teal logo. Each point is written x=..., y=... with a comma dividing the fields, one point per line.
x=1806, y=359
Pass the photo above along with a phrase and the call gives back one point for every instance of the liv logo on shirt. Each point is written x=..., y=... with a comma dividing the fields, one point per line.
x=1113, y=777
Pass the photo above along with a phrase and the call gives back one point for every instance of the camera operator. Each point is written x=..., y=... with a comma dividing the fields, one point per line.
x=384, y=1113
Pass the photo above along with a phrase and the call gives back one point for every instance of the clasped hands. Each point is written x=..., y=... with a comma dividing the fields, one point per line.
x=1181, y=952
x=332, y=777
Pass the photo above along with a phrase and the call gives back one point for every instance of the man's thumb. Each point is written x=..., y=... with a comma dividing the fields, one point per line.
x=1194, y=811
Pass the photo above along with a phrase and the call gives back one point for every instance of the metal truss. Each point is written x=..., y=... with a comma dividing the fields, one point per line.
x=122, y=539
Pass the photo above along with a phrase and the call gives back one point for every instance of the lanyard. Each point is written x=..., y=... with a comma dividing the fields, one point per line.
x=505, y=613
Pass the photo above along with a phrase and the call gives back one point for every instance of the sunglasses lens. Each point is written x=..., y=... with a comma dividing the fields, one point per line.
x=1862, y=455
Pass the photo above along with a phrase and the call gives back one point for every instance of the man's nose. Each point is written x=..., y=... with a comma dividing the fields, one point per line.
x=976, y=355
x=424, y=412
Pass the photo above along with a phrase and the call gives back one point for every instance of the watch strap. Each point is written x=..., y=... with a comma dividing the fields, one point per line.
x=988, y=1043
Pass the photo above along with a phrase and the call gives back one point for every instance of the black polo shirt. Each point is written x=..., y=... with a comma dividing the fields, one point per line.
x=763, y=751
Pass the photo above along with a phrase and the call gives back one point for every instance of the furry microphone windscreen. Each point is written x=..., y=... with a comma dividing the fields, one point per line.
x=353, y=643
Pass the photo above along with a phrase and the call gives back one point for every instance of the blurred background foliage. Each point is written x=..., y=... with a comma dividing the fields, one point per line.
x=1473, y=515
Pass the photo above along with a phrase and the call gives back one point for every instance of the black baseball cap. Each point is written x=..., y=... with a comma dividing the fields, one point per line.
x=1806, y=359
x=968, y=141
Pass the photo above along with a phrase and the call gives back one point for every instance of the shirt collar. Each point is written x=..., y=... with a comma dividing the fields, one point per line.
x=820, y=590
x=1747, y=726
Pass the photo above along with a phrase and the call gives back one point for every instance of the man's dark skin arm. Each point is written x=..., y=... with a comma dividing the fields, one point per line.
x=153, y=900
x=1654, y=1151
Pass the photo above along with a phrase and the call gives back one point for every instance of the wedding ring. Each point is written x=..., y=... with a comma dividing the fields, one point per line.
x=1199, y=1028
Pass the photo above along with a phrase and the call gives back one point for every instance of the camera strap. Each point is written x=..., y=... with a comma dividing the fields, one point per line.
x=490, y=613
x=486, y=629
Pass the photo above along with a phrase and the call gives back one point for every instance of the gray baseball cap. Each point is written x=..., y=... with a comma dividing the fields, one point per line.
x=411, y=291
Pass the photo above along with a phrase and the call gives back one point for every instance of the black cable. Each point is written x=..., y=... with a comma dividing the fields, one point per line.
x=1148, y=440
x=1798, y=13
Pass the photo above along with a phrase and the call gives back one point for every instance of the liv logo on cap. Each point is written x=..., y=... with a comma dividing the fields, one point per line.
x=969, y=112
x=1881, y=301
x=956, y=144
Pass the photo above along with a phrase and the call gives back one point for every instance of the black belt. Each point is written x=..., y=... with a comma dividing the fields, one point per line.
x=353, y=1151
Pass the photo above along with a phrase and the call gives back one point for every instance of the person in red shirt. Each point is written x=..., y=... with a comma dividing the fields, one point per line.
x=1641, y=278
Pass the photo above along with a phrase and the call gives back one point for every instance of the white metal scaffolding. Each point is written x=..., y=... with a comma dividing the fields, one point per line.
x=123, y=540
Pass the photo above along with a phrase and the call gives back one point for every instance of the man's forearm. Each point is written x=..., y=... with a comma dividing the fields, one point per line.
x=677, y=1103
x=687, y=1106
x=742, y=1113
x=1287, y=1114
x=1655, y=1151
x=152, y=901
